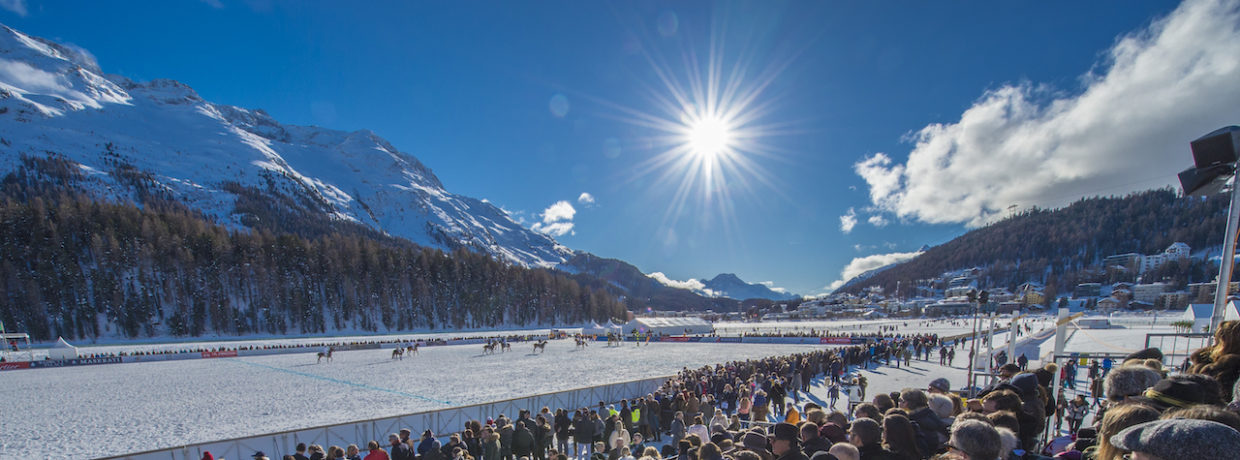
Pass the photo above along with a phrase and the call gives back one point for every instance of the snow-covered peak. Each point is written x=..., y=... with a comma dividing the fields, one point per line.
x=41, y=78
x=55, y=100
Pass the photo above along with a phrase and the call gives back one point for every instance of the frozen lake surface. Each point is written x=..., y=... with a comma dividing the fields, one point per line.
x=92, y=411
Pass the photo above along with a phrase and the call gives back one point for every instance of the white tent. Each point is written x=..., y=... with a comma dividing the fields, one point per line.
x=1199, y=315
x=62, y=350
x=596, y=329
x=669, y=326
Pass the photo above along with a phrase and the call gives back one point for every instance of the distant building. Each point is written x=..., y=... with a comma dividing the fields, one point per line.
x=1172, y=300
x=1108, y=303
x=1129, y=260
x=1204, y=292
x=1030, y=294
x=960, y=286
x=1087, y=290
x=949, y=307
x=1177, y=251
x=1148, y=293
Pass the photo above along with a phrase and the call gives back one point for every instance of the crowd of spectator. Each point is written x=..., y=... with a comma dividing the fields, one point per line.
x=751, y=410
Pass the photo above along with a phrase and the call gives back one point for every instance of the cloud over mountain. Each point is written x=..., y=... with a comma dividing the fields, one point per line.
x=1127, y=128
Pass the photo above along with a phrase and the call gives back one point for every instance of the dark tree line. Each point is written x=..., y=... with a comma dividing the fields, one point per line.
x=1066, y=246
x=78, y=267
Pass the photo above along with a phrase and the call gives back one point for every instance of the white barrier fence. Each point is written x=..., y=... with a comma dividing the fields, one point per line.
x=441, y=422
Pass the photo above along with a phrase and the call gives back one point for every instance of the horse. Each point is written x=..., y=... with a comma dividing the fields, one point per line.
x=398, y=353
x=489, y=348
x=327, y=355
x=413, y=350
x=540, y=346
x=505, y=347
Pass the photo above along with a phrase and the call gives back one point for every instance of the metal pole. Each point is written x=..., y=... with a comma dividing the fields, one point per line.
x=990, y=351
x=973, y=350
x=1061, y=332
x=1013, y=326
x=1229, y=255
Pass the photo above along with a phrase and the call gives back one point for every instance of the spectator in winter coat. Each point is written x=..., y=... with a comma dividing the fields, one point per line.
x=542, y=437
x=699, y=429
x=505, y=441
x=1077, y=408
x=561, y=425
x=811, y=442
x=678, y=427
x=376, y=452
x=400, y=450
x=454, y=442
x=931, y=432
x=491, y=447
x=583, y=434
x=522, y=441
x=428, y=445
x=652, y=414
x=867, y=435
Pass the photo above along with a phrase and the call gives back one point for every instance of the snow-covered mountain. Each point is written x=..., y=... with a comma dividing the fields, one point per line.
x=56, y=101
x=733, y=287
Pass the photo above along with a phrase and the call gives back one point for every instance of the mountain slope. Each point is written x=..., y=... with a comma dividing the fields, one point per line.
x=640, y=290
x=731, y=286
x=233, y=164
x=1063, y=247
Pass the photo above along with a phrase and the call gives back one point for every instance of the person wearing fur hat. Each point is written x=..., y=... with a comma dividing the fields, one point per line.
x=1129, y=381
x=1178, y=439
x=1222, y=360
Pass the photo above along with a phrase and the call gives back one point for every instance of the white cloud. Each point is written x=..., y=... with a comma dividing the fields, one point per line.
x=1126, y=129
x=16, y=6
x=691, y=284
x=31, y=79
x=557, y=219
x=861, y=265
x=586, y=199
x=554, y=229
x=848, y=221
x=877, y=220
x=771, y=285
x=561, y=210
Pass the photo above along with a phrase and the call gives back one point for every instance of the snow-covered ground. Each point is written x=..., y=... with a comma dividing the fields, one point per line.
x=92, y=411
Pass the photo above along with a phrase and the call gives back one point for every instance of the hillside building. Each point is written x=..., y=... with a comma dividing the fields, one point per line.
x=1177, y=251
x=1087, y=290
x=1129, y=260
x=960, y=286
x=1148, y=293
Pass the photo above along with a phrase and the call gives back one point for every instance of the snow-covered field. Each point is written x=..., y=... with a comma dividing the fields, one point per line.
x=93, y=411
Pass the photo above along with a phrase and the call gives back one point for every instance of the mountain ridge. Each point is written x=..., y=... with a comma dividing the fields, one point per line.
x=54, y=99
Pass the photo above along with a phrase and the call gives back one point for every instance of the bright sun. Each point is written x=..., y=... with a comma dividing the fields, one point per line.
x=709, y=136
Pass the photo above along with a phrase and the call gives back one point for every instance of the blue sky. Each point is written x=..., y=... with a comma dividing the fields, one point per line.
x=919, y=119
